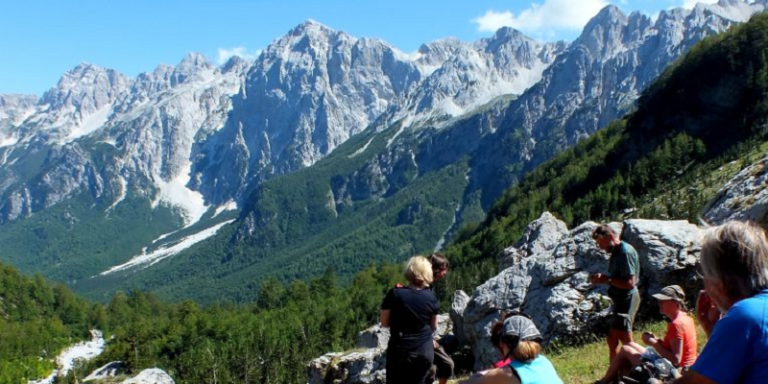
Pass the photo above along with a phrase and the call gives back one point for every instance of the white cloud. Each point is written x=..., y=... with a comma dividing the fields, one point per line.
x=225, y=53
x=543, y=18
x=689, y=4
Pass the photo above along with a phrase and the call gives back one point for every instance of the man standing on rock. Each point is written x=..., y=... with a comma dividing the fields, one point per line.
x=622, y=278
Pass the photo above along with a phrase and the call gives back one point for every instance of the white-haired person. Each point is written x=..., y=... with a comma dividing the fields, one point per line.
x=733, y=308
x=410, y=312
x=521, y=343
x=678, y=346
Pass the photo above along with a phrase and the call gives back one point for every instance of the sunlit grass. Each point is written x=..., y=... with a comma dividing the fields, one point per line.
x=585, y=363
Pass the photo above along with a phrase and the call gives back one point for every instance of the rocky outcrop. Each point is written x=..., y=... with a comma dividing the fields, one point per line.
x=541, y=235
x=366, y=367
x=373, y=337
x=669, y=253
x=744, y=197
x=106, y=371
x=150, y=376
x=459, y=304
x=109, y=372
x=550, y=283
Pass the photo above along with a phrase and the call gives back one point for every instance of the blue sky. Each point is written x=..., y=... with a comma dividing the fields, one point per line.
x=41, y=39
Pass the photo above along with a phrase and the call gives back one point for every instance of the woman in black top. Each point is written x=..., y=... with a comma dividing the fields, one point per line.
x=410, y=312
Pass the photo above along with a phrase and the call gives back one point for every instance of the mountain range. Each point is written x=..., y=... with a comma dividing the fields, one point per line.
x=326, y=150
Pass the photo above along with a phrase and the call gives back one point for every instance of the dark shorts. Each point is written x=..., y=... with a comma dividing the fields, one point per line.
x=443, y=363
x=408, y=367
x=624, y=312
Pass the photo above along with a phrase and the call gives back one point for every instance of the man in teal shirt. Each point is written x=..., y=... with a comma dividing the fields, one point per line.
x=622, y=278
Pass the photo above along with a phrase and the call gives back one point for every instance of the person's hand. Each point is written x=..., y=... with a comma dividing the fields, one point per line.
x=706, y=311
x=598, y=278
x=649, y=339
x=434, y=343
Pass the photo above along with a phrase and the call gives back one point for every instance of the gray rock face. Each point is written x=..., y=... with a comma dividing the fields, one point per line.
x=373, y=337
x=362, y=367
x=551, y=284
x=85, y=89
x=474, y=74
x=744, y=197
x=541, y=235
x=14, y=108
x=106, y=371
x=307, y=93
x=460, y=301
x=670, y=253
x=367, y=367
x=150, y=376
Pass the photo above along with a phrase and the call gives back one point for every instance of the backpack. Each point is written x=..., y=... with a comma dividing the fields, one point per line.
x=658, y=371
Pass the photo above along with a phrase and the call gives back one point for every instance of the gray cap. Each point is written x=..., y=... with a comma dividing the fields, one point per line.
x=672, y=292
x=521, y=327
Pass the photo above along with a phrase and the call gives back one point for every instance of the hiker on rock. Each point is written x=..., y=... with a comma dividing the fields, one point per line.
x=733, y=307
x=622, y=278
x=410, y=312
x=678, y=346
x=521, y=344
x=443, y=362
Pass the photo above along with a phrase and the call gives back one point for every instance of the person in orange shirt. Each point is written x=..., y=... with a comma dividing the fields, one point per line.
x=678, y=346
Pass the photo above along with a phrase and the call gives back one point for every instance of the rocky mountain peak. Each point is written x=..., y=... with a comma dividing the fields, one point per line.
x=310, y=26
x=431, y=55
x=733, y=10
x=85, y=88
x=193, y=67
x=235, y=63
x=603, y=35
x=610, y=14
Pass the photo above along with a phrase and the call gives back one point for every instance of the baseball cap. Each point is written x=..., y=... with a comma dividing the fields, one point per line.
x=672, y=292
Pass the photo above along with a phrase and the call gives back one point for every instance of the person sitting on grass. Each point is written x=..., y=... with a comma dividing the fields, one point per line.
x=521, y=341
x=678, y=346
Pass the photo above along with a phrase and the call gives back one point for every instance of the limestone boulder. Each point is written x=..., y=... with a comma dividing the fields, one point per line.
x=549, y=280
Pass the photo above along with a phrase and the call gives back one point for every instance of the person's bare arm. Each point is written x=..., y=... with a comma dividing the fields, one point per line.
x=502, y=375
x=433, y=322
x=627, y=283
x=673, y=354
x=384, y=317
x=692, y=377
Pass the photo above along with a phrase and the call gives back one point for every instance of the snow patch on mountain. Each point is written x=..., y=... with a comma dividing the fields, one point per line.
x=165, y=252
x=90, y=124
x=176, y=194
x=362, y=149
x=7, y=141
x=228, y=206
x=121, y=195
